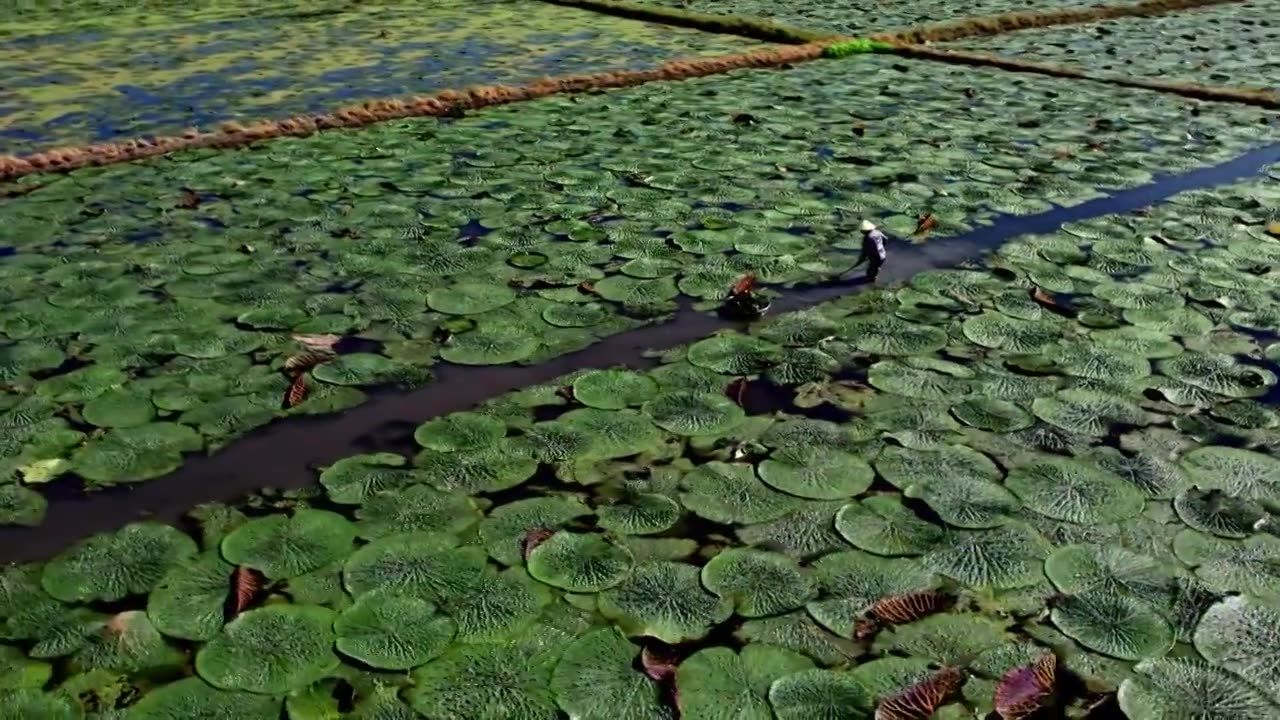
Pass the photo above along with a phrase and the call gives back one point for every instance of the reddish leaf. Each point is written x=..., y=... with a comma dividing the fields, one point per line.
x=304, y=361
x=920, y=701
x=744, y=285
x=245, y=584
x=737, y=390
x=899, y=609
x=533, y=539
x=1024, y=691
x=865, y=627
x=658, y=665
x=323, y=343
x=297, y=391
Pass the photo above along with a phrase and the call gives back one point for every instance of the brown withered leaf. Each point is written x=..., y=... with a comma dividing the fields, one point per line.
x=737, y=390
x=245, y=585
x=920, y=701
x=533, y=539
x=297, y=391
x=660, y=666
x=905, y=608
x=587, y=288
x=745, y=285
x=1024, y=691
x=925, y=223
x=304, y=361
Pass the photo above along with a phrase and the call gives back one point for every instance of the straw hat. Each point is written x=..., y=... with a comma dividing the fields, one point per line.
x=867, y=226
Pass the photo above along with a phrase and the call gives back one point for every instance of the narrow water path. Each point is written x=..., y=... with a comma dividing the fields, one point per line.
x=286, y=454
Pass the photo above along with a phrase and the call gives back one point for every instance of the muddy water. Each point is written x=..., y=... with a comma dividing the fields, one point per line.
x=286, y=454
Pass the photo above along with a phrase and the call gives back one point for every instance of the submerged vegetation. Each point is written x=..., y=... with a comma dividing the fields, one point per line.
x=1041, y=483
x=1036, y=482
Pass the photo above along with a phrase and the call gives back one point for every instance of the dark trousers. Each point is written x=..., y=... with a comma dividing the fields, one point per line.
x=873, y=267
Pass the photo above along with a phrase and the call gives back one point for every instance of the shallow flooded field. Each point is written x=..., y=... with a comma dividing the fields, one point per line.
x=582, y=407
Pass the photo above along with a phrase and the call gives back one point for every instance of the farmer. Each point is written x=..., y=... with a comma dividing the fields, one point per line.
x=873, y=252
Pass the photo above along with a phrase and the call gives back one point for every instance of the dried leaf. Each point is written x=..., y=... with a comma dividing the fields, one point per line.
x=899, y=609
x=323, y=343
x=245, y=584
x=305, y=361
x=920, y=701
x=925, y=223
x=587, y=288
x=297, y=391
x=1024, y=691
x=533, y=539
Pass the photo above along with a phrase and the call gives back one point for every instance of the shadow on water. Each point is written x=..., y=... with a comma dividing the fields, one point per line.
x=285, y=454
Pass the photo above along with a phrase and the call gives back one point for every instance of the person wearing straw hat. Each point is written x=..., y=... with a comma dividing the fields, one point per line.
x=873, y=252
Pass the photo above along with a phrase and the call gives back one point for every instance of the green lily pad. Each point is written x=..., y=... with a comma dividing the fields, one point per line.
x=271, y=650
x=112, y=566
x=1239, y=634
x=119, y=408
x=580, y=562
x=392, y=632
x=827, y=694
x=759, y=583
x=460, y=431
x=594, y=680
x=1073, y=490
x=717, y=683
x=613, y=389
x=282, y=547
x=193, y=699
x=190, y=600
x=664, y=600
x=470, y=298
x=818, y=474
x=883, y=526
x=1162, y=689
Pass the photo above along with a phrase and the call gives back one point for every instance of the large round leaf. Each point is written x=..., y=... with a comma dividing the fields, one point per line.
x=1115, y=625
x=1241, y=634
x=759, y=583
x=1184, y=688
x=817, y=474
x=1073, y=490
x=826, y=694
x=731, y=493
x=580, y=562
x=460, y=431
x=1084, y=568
x=424, y=565
x=470, y=298
x=504, y=531
x=193, y=699
x=717, y=683
x=390, y=631
x=112, y=566
x=352, y=480
x=489, y=681
x=687, y=413
x=883, y=525
x=1242, y=473
x=414, y=509
x=190, y=600
x=283, y=547
x=613, y=389
x=594, y=680
x=665, y=600
x=1006, y=557
x=272, y=650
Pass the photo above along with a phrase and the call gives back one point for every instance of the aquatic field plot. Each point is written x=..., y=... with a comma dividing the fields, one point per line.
x=169, y=306
x=1022, y=485
x=1235, y=45
x=120, y=82
x=865, y=17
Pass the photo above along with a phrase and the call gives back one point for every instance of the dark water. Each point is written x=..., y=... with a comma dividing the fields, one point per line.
x=286, y=454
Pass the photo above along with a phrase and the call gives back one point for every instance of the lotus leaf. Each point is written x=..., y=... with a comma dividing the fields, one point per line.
x=135, y=453
x=1073, y=490
x=112, y=566
x=759, y=583
x=574, y=315
x=1113, y=624
x=491, y=680
x=1098, y=362
x=1250, y=566
x=470, y=298
x=353, y=480
x=1241, y=473
x=363, y=369
x=271, y=650
x=21, y=505
x=81, y=385
x=827, y=694
x=1007, y=557
x=883, y=526
x=614, y=433
x=643, y=514
x=947, y=639
x=1219, y=374
x=1171, y=689
x=27, y=704
x=1218, y=513
x=283, y=547
x=491, y=606
x=805, y=532
x=686, y=413
x=392, y=632
x=503, y=532
x=613, y=389
x=460, y=431
x=1087, y=412
x=414, y=509
x=127, y=643
x=817, y=474
x=594, y=680
x=119, y=408
x=18, y=672
x=192, y=699
x=632, y=291
x=1153, y=474
x=383, y=704
x=190, y=600
x=734, y=354
x=424, y=565
x=889, y=675
x=916, y=378
x=1239, y=634
x=1083, y=568
x=491, y=469
x=718, y=684
x=665, y=600
x=999, y=331
x=580, y=562
x=731, y=493
x=491, y=343
x=852, y=580
x=987, y=413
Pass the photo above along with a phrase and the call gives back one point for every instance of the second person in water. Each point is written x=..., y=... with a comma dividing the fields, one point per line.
x=873, y=252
